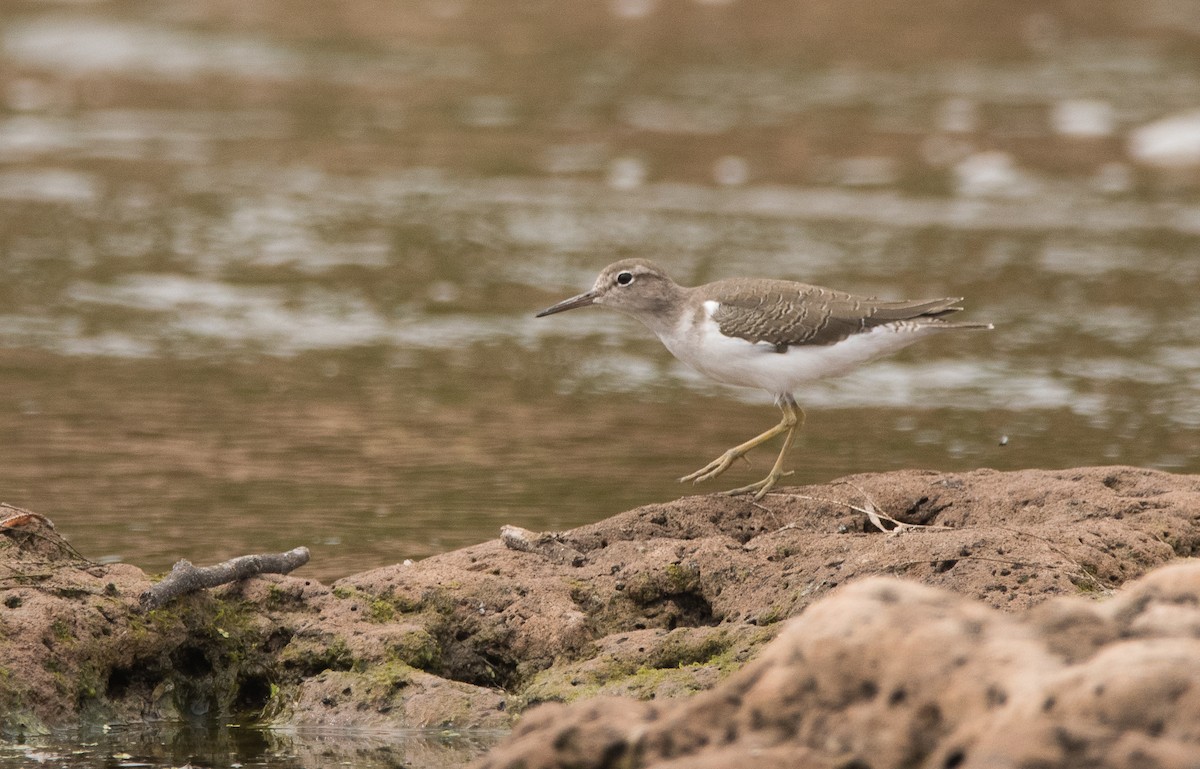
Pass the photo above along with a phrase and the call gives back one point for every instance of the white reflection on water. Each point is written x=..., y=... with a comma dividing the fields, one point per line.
x=85, y=46
x=75, y=46
x=110, y=344
x=1087, y=118
x=27, y=136
x=49, y=185
x=239, y=315
x=183, y=136
x=1171, y=142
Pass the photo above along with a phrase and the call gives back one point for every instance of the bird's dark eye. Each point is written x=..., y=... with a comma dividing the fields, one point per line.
x=624, y=278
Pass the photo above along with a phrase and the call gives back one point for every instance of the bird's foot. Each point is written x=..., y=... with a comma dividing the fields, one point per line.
x=715, y=467
x=760, y=488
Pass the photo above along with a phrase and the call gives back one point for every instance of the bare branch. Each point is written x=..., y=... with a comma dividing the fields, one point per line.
x=186, y=578
x=549, y=545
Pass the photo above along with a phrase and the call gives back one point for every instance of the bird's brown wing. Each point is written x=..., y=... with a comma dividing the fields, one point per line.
x=787, y=313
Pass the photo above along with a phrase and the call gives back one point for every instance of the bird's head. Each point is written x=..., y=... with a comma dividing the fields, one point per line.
x=634, y=286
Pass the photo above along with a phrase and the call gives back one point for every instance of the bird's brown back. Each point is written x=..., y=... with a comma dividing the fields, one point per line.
x=784, y=313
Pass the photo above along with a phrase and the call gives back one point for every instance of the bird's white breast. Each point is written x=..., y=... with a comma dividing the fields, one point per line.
x=698, y=341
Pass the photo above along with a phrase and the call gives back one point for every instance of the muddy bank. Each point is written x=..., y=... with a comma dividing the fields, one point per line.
x=656, y=603
x=887, y=673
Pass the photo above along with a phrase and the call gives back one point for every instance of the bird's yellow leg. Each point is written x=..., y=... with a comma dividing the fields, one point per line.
x=723, y=462
x=760, y=488
x=793, y=417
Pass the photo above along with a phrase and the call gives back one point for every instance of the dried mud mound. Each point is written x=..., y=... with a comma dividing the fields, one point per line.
x=887, y=673
x=666, y=599
x=658, y=602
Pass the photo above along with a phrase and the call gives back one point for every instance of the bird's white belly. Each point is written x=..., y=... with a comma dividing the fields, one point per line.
x=746, y=364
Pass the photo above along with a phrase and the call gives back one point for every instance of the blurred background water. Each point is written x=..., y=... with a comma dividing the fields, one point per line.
x=268, y=269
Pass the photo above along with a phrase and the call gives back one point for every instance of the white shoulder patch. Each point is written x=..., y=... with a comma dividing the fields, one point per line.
x=710, y=307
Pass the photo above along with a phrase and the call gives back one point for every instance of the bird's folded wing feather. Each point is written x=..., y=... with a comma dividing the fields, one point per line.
x=799, y=314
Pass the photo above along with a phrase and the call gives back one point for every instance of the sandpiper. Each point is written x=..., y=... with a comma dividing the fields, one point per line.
x=770, y=334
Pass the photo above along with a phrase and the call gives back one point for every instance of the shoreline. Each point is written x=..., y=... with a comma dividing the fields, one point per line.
x=660, y=603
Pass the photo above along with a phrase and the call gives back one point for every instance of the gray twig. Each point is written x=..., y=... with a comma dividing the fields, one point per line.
x=186, y=578
x=549, y=545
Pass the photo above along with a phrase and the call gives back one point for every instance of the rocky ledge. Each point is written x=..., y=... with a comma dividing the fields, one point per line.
x=1010, y=638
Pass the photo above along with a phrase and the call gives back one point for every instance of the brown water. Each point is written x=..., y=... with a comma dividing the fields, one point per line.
x=268, y=271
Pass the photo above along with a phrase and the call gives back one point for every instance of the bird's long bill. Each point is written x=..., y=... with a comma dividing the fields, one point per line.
x=583, y=300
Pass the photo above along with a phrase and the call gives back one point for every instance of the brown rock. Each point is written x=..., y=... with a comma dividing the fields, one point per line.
x=886, y=673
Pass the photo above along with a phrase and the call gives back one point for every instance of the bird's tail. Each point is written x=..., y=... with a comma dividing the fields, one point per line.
x=982, y=326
